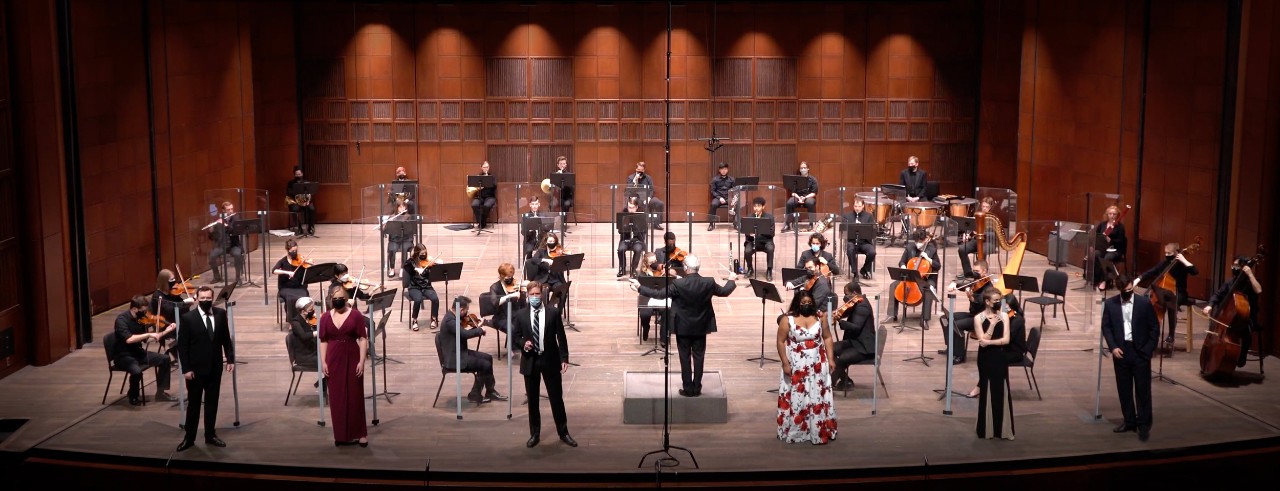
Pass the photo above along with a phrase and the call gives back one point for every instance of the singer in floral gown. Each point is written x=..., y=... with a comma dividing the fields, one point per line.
x=805, y=411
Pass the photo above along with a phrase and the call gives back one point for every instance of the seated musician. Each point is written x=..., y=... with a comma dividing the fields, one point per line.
x=304, y=208
x=1111, y=246
x=818, y=281
x=565, y=202
x=224, y=245
x=168, y=304
x=290, y=272
x=817, y=252
x=763, y=242
x=975, y=291
x=532, y=236
x=399, y=239
x=630, y=239
x=862, y=245
x=969, y=244
x=650, y=266
x=303, y=330
x=914, y=180
x=1179, y=268
x=805, y=196
x=484, y=200
x=859, y=340
x=922, y=246
x=652, y=203
x=672, y=256
x=133, y=357
x=478, y=362
x=357, y=288
x=417, y=285
x=1249, y=287
x=506, y=291
x=720, y=186
x=538, y=267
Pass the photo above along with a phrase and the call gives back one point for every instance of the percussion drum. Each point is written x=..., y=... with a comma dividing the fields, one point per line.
x=882, y=209
x=922, y=214
x=958, y=207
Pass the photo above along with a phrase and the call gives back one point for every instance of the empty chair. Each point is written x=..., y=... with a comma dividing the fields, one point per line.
x=1054, y=293
x=1028, y=361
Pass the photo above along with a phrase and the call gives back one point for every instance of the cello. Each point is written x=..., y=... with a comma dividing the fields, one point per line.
x=1164, y=290
x=1221, y=348
x=908, y=292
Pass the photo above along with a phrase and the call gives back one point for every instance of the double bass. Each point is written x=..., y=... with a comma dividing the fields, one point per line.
x=1221, y=348
x=908, y=292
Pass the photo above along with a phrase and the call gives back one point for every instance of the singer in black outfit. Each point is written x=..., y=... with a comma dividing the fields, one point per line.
x=485, y=200
x=862, y=245
x=806, y=196
x=203, y=339
x=914, y=180
x=720, y=186
x=1130, y=328
x=540, y=334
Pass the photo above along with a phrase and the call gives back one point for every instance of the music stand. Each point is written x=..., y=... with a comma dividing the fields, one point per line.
x=244, y=227
x=856, y=233
x=317, y=273
x=562, y=180
x=1021, y=284
x=562, y=265
x=380, y=302
x=446, y=272
x=764, y=291
x=409, y=188
x=635, y=223
x=482, y=181
x=657, y=283
x=913, y=276
x=746, y=181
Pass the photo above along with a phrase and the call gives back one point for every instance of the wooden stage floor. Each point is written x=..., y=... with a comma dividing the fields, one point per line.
x=910, y=429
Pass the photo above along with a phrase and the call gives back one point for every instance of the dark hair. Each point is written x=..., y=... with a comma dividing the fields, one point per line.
x=722, y=165
x=822, y=239
x=1123, y=280
x=290, y=244
x=462, y=301
x=340, y=268
x=919, y=234
x=138, y=301
x=205, y=288
x=669, y=236
x=795, y=300
x=297, y=168
x=758, y=200
x=852, y=287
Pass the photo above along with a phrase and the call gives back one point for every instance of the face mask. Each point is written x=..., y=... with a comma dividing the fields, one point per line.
x=1235, y=270
x=206, y=306
x=1126, y=295
x=808, y=309
x=422, y=257
x=814, y=247
x=293, y=254
x=142, y=314
x=311, y=313
x=401, y=177
x=551, y=243
x=508, y=281
x=340, y=303
x=804, y=172
x=535, y=302
x=913, y=170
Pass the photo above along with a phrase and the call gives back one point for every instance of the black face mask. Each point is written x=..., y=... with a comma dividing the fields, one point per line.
x=401, y=177
x=142, y=314
x=293, y=254
x=808, y=309
x=339, y=303
x=206, y=306
x=508, y=281
x=1126, y=295
x=422, y=257
x=310, y=314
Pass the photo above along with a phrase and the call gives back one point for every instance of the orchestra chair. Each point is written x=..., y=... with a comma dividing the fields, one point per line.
x=1054, y=293
x=296, y=370
x=109, y=345
x=1028, y=361
x=489, y=307
x=882, y=335
x=280, y=323
x=1190, y=328
x=722, y=216
x=445, y=371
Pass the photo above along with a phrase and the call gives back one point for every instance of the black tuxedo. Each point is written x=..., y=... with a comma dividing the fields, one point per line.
x=543, y=367
x=1133, y=370
x=693, y=318
x=202, y=354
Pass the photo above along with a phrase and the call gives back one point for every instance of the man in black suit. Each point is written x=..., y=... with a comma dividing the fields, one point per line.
x=693, y=318
x=863, y=245
x=1129, y=325
x=914, y=180
x=203, y=339
x=859, y=340
x=540, y=333
x=763, y=242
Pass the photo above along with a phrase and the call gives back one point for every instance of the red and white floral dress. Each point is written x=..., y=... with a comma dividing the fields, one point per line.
x=805, y=412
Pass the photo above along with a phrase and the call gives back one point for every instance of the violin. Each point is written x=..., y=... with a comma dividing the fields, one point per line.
x=677, y=254
x=824, y=271
x=426, y=263
x=1221, y=348
x=183, y=288
x=313, y=321
x=472, y=320
x=853, y=300
x=301, y=262
x=156, y=321
x=556, y=252
x=908, y=292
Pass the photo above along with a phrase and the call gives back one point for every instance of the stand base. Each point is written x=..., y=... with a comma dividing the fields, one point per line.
x=388, y=396
x=643, y=399
x=922, y=358
x=669, y=460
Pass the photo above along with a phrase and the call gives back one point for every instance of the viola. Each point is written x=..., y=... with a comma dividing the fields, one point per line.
x=555, y=252
x=1221, y=348
x=313, y=321
x=472, y=320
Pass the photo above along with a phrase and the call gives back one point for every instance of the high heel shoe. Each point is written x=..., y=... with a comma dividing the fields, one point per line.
x=364, y=444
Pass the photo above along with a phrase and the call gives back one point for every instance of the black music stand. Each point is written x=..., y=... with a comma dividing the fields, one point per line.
x=746, y=181
x=563, y=265
x=858, y=232
x=562, y=180
x=755, y=225
x=913, y=276
x=243, y=227
x=446, y=272
x=380, y=302
x=657, y=283
x=791, y=275
x=1021, y=284
x=318, y=273
x=764, y=291
x=482, y=181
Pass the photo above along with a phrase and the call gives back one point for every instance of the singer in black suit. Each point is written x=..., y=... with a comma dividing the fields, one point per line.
x=540, y=332
x=693, y=318
x=1129, y=325
x=203, y=339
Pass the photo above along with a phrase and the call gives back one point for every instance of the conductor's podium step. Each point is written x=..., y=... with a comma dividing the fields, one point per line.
x=642, y=394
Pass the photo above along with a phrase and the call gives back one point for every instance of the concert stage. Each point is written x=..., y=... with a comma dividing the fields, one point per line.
x=908, y=438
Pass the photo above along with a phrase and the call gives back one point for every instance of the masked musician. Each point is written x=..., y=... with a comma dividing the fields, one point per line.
x=290, y=272
x=357, y=288
x=858, y=343
x=720, y=186
x=305, y=209
x=224, y=245
x=404, y=195
x=538, y=267
x=914, y=180
x=477, y=362
x=630, y=239
x=1111, y=246
x=761, y=242
x=650, y=266
x=974, y=291
x=399, y=239
x=417, y=285
x=506, y=291
x=132, y=355
x=484, y=200
x=671, y=256
x=862, y=245
x=817, y=252
x=302, y=326
x=640, y=179
x=970, y=243
x=922, y=246
x=164, y=300
x=565, y=201
x=818, y=281
x=532, y=236
x=1179, y=269
x=1251, y=289
x=806, y=196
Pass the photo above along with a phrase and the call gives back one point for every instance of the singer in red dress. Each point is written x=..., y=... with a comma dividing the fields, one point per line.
x=344, y=340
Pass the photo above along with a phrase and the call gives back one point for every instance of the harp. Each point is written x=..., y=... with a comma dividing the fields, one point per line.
x=1016, y=246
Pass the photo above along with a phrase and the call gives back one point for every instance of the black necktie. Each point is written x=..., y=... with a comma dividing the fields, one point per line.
x=537, y=328
x=208, y=324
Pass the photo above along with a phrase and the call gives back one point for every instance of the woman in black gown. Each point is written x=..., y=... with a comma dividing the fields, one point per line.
x=995, y=407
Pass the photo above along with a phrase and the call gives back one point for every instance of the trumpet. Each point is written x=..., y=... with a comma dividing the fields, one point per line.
x=472, y=191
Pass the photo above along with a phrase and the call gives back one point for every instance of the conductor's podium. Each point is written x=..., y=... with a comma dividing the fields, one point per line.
x=642, y=394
